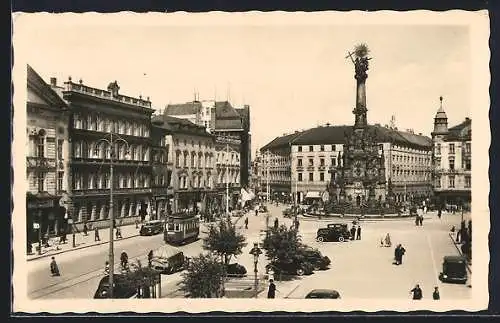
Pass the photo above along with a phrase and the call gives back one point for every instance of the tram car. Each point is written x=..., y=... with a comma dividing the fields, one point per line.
x=181, y=228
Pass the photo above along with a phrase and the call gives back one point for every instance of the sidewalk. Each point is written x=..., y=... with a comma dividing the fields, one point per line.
x=81, y=241
x=283, y=288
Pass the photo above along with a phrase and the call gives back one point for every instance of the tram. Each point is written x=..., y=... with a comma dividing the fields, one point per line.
x=181, y=228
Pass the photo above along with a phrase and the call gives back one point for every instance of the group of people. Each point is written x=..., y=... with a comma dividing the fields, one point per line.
x=417, y=293
x=355, y=232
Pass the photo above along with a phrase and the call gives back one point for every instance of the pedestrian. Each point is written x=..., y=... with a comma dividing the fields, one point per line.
x=358, y=236
x=150, y=258
x=276, y=223
x=124, y=259
x=297, y=225
x=96, y=234
x=353, y=232
x=256, y=211
x=388, y=242
x=272, y=289
x=54, y=269
x=398, y=254
x=417, y=292
x=439, y=213
x=435, y=295
x=246, y=223
x=106, y=268
x=421, y=220
x=417, y=220
x=118, y=233
x=85, y=229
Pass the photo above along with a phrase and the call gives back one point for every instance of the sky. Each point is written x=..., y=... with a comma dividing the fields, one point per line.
x=293, y=77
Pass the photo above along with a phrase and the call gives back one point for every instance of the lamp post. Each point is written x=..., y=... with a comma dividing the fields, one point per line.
x=256, y=253
x=113, y=138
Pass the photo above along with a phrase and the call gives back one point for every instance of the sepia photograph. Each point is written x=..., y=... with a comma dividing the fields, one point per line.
x=250, y=161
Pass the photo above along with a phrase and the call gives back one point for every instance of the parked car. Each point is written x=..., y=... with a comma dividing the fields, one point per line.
x=122, y=288
x=333, y=232
x=315, y=258
x=168, y=260
x=236, y=270
x=294, y=267
x=454, y=270
x=323, y=293
x=151, y=227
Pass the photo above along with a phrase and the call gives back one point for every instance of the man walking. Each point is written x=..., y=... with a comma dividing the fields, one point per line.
x=358, y=235
x=246, y=223
x=271, y=292
x=417, y=292
x=435, y=295
x=353, y=232
x=276, y=223
x=398, y=254
x=85, y=229
x=96, y=234
x=54, y=269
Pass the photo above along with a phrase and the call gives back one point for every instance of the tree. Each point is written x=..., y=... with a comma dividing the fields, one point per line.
x=224, y=240
x=203, y=277
x=282, y=244
x=142, y=279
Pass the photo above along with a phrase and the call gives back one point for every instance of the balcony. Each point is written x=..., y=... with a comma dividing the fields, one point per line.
x=106, y=191
x=41, y=163
x=322, y=167
x=310, y=168
x=116, y=163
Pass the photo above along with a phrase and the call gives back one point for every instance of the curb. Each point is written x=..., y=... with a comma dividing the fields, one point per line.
x=460, y=252
x=78, y=248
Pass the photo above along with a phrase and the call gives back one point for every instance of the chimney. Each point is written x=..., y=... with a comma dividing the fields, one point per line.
x=53, y=81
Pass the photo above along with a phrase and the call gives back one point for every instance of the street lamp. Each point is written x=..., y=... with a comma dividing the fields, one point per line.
x=113, y=138
x=256, y=252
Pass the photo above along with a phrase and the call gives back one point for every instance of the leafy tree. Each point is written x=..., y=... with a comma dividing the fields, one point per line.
x=282, y=244
x=224, y=240
x=142, y=278
x=203, y=277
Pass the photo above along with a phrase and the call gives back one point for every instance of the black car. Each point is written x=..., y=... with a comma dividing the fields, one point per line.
x=151, y=228
x=294, y=267
x=236, y=270
x=315, y=258
x=323, y=293
x=333, y=232
x=122, y=288
x=454, y=270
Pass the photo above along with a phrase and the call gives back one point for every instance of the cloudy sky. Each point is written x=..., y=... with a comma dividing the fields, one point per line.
x=293, y=76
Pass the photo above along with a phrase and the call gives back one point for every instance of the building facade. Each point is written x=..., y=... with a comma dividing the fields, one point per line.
x=228, y=170
x=161, y=162
x=108, y=129
x=47, y=158
x=193, y=173
x=451, y=159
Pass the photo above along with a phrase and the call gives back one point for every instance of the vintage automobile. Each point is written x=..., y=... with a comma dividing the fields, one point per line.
x=333, y=232
x=151, y=228
x=454, y=270
x=293, y=267
x=315, y=258
x=323, y=293
x=168, y=260
x=122, y=288
x=236, y=270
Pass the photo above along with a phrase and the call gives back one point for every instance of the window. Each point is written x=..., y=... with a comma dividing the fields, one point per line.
x=467, y=163
x=185, y=160
x=299, y=162
x=96, y=150
x=438, y=149
x=451, y=181
x=311, y=162
x=40, y=147
x=41, y=181
x=322, y=162
x=322, y=177
x=193, y=159
x=299, y=148
x=467, y=147
x=124, y=182
x=438, y=162
x=333, y=147
x=311, y=148
x=467, y=181
x=311, y=177
x=322, y=148
x=177, y=159
x=60, y=177
x=177, y=227
x=334, y=162
x=299, y=177
x=452, y=163
x=60, y=143
x=452, y=149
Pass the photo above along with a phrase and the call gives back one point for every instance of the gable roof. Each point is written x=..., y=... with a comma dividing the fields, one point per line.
x=226, y=117
x=183, y=108
x=178, y=125
x=38, y=85
x=462, y=131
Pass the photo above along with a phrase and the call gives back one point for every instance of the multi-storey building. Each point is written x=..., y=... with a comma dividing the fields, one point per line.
x=47, y=157
x=452, y=160
x=162, y=165
x=304, y=161
x=193, y=163
x=221, y=119
x=108, y=128
x=228, y=164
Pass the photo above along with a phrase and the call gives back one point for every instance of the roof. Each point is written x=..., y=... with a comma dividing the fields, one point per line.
x=454, y=258
x=37, y=84
x=462, y=131
x=227, y=117
x=178, y=125
x=183, y=108
x=336, y=135
x=440, y=114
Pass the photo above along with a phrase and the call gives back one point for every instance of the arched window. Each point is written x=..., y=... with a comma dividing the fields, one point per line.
x=77, y=121
x=78, y=149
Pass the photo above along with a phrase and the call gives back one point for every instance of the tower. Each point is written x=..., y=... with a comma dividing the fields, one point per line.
x=440, y=120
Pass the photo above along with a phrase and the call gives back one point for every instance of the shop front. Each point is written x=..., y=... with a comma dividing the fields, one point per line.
x=162, y=203
x=44, y=216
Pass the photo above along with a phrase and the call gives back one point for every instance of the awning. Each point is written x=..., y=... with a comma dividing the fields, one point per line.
x=313, y=195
